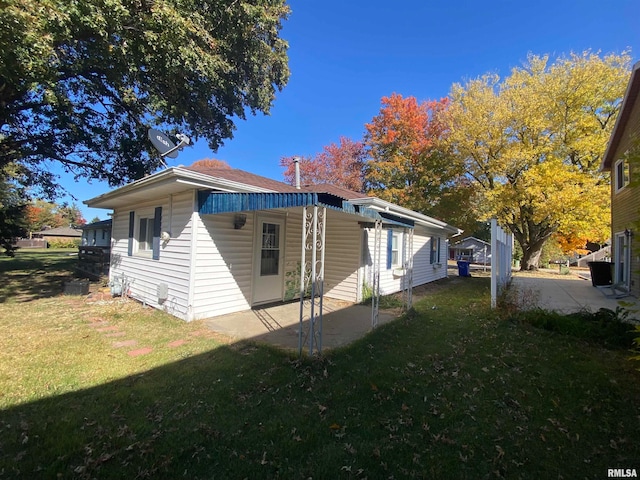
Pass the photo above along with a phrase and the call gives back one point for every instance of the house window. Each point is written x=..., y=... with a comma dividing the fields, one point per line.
x=621, y=174
x=395, y=249
x=145, y=235
x=435, y=250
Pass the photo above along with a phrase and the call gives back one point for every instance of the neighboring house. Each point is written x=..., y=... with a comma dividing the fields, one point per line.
x=471, y=249
x=625, y=196
x=200, y=242
x=94, y=252
x=97, y=234
x=60, y=234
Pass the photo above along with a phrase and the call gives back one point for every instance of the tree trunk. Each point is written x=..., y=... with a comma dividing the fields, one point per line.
x=530, y=258
x=531, y=242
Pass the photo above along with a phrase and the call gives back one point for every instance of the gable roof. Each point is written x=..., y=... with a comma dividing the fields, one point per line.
x=628, y=101
x=232, y=180
x=240, y=176
x=471, y=239
x=61, y=232
x=334, y=190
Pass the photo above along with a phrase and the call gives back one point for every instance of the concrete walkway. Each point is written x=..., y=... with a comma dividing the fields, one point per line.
x=564, y=293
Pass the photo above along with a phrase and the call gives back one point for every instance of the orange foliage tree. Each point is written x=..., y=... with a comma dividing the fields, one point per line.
x=210, y=163
x=409, y=163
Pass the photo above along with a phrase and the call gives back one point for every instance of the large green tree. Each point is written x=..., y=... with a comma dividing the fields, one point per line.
x=81, y=81
x=13, y=206
x=532, y=143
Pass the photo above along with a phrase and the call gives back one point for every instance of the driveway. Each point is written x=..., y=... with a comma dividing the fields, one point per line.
x=564, y=293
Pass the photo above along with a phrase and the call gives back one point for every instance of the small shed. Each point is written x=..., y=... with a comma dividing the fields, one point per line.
x=472, y=250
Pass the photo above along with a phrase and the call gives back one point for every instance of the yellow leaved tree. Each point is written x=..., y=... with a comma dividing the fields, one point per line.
x=532, y=144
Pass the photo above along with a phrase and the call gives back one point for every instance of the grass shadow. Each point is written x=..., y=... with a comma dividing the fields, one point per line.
x=32, y=275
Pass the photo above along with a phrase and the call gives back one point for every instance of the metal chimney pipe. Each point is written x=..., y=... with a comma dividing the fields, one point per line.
x=296, y=161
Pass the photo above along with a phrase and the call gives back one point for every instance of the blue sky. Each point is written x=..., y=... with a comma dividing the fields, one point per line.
x=345, y=55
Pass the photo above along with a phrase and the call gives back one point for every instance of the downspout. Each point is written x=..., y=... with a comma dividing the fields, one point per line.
x=195, y=222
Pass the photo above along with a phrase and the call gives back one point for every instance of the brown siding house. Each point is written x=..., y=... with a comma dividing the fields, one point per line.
x=625, y=188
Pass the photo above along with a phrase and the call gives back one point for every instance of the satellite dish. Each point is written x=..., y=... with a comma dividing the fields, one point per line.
x=163, y=144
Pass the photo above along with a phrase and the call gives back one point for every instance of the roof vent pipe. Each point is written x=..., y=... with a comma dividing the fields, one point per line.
x=296, y=162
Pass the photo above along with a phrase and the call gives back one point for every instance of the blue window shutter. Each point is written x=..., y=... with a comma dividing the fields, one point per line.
x=131, y=223
x=157, y=228
x=389, y=248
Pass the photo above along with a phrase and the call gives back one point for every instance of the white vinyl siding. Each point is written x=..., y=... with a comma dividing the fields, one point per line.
x=423, y=270
x=223, y=269
x=143, y=273
x=292, y=254
x=342, y=257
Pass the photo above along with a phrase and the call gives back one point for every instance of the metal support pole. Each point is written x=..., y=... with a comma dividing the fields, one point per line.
x=409, y=270
x=303, y=283
x=377, y=255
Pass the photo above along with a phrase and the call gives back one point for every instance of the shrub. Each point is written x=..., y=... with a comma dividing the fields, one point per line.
x=63, y=243
x=605, y=327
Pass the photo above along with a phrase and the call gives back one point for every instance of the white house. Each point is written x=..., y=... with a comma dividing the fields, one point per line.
x=471, y=249
x=97, y=234
x=200, y=242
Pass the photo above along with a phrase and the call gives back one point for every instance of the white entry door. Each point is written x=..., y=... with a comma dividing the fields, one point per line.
x=269, y=261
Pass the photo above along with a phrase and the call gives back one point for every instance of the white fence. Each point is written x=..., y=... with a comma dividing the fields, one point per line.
x=501, y=259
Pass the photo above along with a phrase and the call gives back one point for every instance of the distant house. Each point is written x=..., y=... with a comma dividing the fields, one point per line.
x=94, y=253
x=199, y=242
x=61, y=234
x=625, y=191
x=471, y=249
x=97, y=234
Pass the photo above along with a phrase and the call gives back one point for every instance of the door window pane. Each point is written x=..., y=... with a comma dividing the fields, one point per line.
x=269, y=262
x=270, y=255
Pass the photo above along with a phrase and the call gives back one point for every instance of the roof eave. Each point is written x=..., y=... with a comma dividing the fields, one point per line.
x=628, y=101
x=180, y=175
x=419, y=218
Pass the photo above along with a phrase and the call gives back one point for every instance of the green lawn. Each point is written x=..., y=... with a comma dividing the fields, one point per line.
x=449, y=391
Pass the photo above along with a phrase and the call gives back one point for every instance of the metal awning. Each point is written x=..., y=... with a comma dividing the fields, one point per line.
x=210, y=203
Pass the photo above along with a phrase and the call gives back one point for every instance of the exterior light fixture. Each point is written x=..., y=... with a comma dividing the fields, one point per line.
x=239, y=221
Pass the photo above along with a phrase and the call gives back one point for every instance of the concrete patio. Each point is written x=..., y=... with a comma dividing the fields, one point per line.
x=279, y=324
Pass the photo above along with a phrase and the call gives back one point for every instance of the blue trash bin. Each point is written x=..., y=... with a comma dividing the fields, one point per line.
x=463, y=269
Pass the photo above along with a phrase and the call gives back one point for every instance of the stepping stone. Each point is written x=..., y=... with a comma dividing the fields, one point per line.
x=102, y=323
x=140, y=351
x=112, y=328
x=115, y=334
x=176, y=343
x=198, y=333
x=125, y=343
